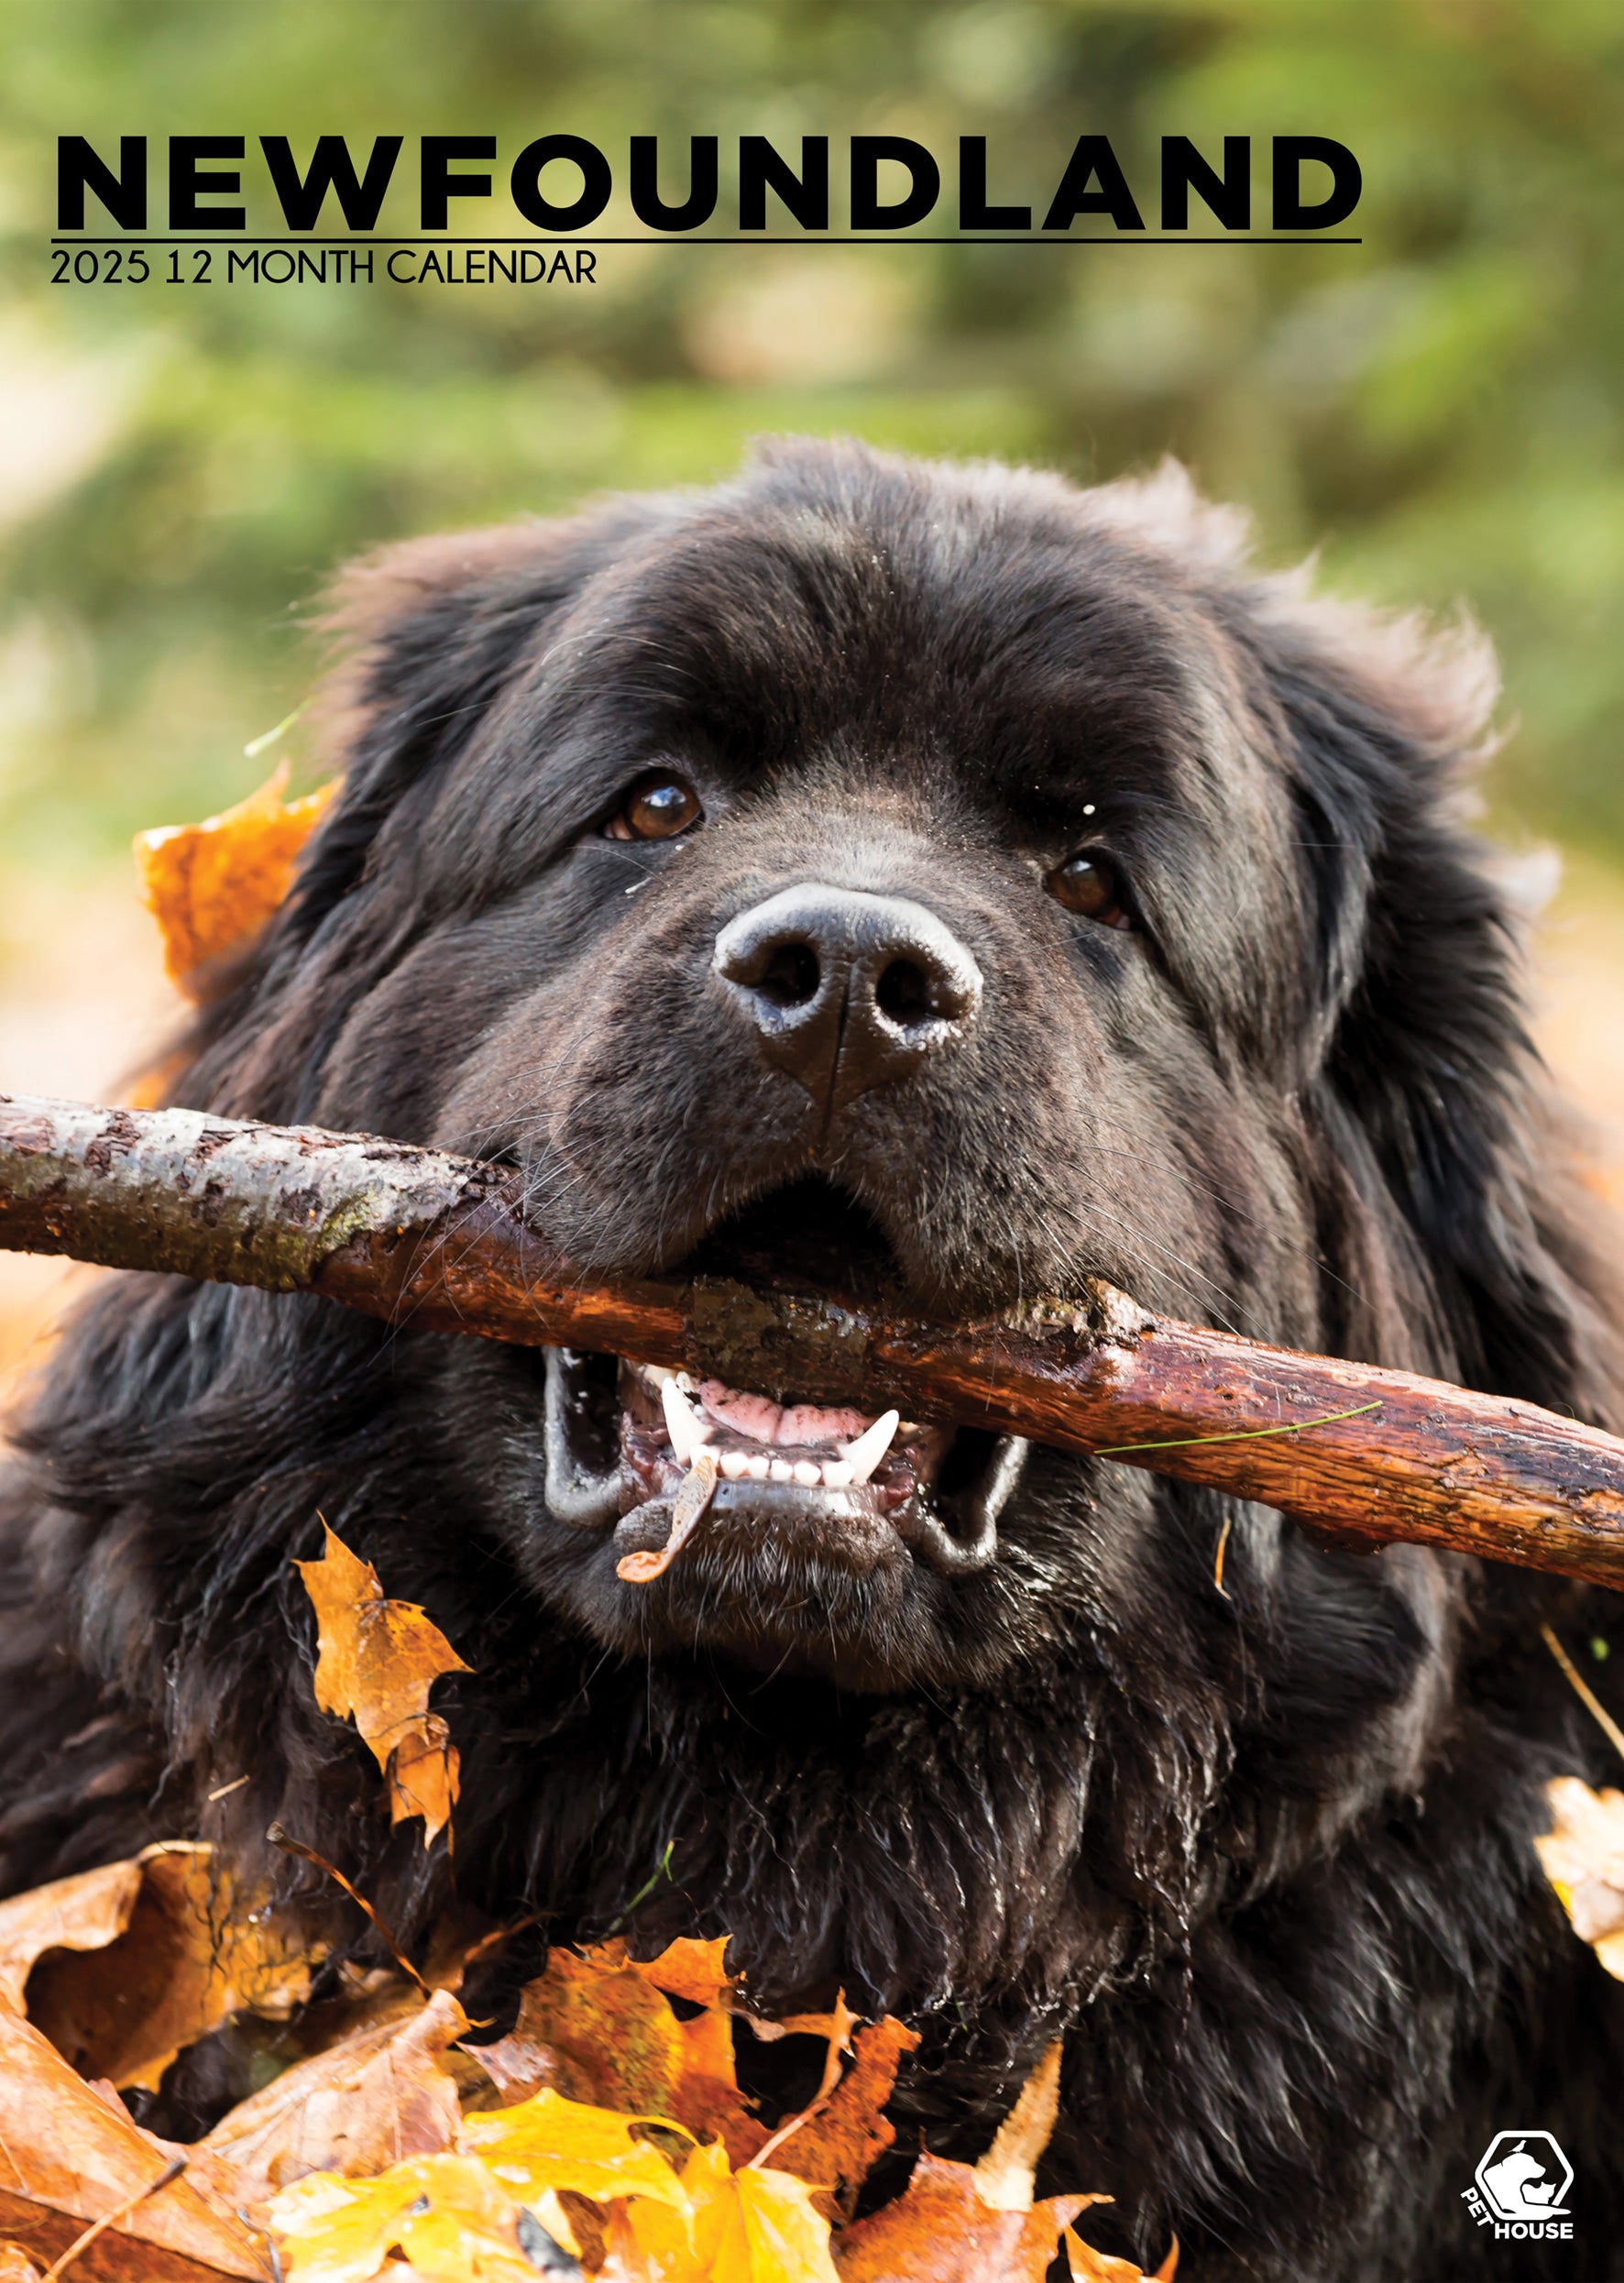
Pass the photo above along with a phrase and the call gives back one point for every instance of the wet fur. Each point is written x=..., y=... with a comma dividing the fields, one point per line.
x=1266, y=1849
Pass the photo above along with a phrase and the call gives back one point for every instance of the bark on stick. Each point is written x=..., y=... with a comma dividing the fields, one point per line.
x=436, y=1241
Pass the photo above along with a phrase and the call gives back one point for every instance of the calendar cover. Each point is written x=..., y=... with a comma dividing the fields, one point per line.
x=915, y=1574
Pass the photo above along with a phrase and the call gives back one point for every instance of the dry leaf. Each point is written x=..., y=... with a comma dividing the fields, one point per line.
x=378, y=1659
x=1089, y=2265
x=377, y=2097
x=599, y=2029
x=1007, y=2175
x=187, y=1956
x=567, y=2146
x=941, y=2230
x=83, y=1913
x=213, y=886
x=965, y=2223
x=70, y=2153
x=16, y=2266
x=685, y=1969
x=1584, y=1860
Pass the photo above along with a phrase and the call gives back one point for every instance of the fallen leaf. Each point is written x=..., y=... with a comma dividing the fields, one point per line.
x=568, y=2145
x=16, y=2266
x=83, y=1913
x=377, y=2097
x=70, y=2153
x=839, y=2144
x=214, y=886
x=772, y=2235
x=1089, y=2265
x=967, y=2223
x=377, y=1661
x=446, y=2215
x=1582, y=1856
x=685, y=1969
x=519, y=2065
x=941, y=2230
x=755, y=2225
x=1007, y=2175
x=600, y=2029
x=189, y=1955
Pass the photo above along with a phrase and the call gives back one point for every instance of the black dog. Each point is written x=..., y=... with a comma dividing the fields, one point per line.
x=966, y=881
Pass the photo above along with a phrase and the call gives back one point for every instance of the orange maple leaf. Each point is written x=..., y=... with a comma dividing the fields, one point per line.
x=941, y=2230
x=212, y=886
x=846, y=2134
x=377, y=1661
x=606, y=2028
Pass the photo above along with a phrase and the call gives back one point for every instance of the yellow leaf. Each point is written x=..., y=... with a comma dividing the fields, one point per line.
x=548, y=2142
x=654, y=2243
x=213, y=886
x=774, y=2235
x=377, y=1661
x=750, y=2226
x=444, y=2214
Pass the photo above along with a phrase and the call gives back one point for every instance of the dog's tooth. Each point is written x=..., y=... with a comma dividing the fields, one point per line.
x=863, y=1456
x=837, y=1473
x=806, y=1475
x=757, y=1469
x=780, y=1470
x=687, y=1430
x=735, y=1465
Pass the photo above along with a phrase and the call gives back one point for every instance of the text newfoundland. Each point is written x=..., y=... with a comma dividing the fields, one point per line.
x=563, y=183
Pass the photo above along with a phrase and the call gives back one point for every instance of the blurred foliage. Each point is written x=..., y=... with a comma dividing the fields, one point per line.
x=1439, y=406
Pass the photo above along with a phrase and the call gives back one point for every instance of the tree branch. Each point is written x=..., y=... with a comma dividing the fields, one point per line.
x=1358, y=1454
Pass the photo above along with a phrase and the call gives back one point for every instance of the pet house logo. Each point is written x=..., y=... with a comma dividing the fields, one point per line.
x=1521, y=2183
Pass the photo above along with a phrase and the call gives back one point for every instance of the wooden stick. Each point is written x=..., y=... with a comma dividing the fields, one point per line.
x=1358, y=1454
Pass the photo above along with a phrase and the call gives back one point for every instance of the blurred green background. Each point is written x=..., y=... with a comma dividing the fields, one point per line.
x=1438, y=407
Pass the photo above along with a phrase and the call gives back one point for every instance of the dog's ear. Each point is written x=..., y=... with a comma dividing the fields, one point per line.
x=1453, y=1227
x=1436, y=1124
x=423, y=637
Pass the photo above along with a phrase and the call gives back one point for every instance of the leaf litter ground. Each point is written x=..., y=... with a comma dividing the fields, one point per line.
x=606, y=2134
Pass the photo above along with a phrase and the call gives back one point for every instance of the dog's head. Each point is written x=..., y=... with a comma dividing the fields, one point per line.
x=937, y=877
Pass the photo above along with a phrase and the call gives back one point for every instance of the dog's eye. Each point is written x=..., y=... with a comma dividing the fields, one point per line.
x=1091, y=885
x=657, y=808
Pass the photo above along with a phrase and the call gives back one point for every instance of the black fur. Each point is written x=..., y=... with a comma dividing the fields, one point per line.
x=1264, y=1852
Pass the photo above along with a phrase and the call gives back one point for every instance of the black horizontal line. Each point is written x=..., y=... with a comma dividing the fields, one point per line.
x=435, y=237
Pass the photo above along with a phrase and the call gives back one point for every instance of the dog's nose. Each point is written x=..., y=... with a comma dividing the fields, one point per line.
x=846, y=990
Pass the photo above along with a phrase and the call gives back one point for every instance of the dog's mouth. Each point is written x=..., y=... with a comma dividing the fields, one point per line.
x=660, y=1461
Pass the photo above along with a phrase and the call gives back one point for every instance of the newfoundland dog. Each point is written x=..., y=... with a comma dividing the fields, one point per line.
x=946, y=875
